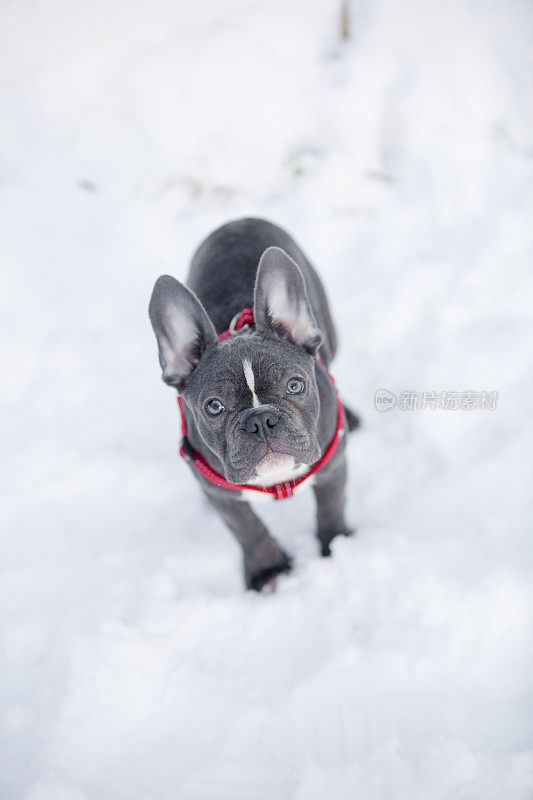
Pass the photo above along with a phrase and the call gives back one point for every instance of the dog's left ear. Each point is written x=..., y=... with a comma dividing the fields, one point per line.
x=281, y=304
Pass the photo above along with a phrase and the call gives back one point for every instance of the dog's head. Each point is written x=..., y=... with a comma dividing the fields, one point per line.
x=254, y=396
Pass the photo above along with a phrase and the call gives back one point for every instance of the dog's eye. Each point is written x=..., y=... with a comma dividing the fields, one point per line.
x=214, y=407
x=295, y=386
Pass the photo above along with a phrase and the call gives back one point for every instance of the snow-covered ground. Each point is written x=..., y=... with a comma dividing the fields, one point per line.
x=134, y=666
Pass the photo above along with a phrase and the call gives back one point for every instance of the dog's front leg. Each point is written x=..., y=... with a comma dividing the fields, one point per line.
x=329, y=491
x=263, y=557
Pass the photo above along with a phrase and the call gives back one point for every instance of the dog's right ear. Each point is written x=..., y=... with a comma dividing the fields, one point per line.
x=182, y=329
x=281, y=303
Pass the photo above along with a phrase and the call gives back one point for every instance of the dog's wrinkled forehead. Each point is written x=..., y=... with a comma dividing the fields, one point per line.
x=247, y=369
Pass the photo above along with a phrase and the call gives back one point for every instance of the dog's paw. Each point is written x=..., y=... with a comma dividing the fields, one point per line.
x=265, y=578
x=266, y=562
x=326, y=537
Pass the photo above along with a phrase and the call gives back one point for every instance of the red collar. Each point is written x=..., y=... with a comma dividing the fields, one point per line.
x=244, y=319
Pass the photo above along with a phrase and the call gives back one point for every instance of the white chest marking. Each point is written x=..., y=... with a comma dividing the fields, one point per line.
x=250, y=380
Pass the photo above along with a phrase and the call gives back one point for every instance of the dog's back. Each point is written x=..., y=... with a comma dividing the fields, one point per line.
x=224, y=268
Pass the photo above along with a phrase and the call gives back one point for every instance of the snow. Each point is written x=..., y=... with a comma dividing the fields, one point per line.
x=133, y=663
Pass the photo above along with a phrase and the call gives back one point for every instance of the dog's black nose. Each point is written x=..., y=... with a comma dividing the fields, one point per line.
x=262, y=420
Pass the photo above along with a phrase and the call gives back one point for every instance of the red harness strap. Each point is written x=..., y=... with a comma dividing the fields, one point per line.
x=279, y=491
x=244, y=319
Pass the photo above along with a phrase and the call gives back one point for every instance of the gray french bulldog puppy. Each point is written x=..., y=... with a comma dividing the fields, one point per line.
x=259, y=406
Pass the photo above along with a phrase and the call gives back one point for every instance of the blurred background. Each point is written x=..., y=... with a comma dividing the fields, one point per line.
x=395, y=142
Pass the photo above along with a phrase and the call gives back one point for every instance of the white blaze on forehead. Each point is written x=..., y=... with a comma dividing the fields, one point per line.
x=250, y=380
